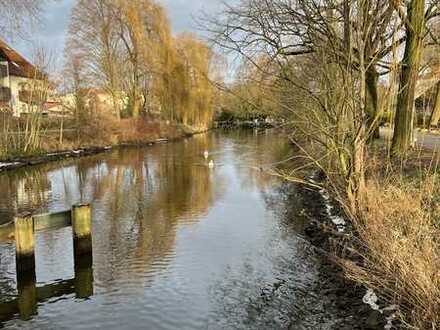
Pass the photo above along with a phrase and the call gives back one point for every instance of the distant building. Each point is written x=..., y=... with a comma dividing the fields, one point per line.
x=98, y=101
x=21, y=83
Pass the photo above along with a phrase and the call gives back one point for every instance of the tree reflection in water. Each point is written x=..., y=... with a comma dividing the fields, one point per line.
x=142, y=198
x=138, y=199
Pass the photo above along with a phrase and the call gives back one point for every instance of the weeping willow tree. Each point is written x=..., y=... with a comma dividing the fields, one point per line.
x=146, y=35
x=184, y=89
x=190, y=92
x=129, y=51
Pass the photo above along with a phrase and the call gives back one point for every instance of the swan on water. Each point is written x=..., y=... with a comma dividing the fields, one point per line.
x=211, y=164
x=206, y=154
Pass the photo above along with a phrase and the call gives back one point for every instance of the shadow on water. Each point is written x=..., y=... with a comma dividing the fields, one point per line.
x=29, y=295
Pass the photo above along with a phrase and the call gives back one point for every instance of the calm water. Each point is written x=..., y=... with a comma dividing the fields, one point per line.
x=176, y=245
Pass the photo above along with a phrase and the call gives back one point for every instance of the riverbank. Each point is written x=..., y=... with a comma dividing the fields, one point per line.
x=396, y=244
x=141, y=132
x=345, y=298
x=236, y=124
x=390, y=248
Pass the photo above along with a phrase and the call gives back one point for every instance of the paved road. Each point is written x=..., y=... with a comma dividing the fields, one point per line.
x=424, y=139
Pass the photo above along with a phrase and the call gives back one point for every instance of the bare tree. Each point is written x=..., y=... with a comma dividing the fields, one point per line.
x=291, y=28
x=351, y=45
x=124, y=45
x=93, y=37
x=17, y=16
x=435, y=115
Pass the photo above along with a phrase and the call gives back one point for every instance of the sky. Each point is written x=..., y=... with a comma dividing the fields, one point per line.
x=52, y=30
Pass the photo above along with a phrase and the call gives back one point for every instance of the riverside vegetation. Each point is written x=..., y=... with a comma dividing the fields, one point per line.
x=332, y=71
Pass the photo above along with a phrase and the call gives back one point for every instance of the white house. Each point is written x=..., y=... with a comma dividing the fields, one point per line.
x=21, y=83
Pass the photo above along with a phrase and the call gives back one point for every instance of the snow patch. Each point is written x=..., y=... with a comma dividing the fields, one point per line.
x=6, y=165
x=371, y=299
x=55, y=154
x=337, y=220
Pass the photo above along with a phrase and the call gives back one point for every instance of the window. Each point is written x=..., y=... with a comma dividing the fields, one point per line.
x=3, y=69
x=5, y=94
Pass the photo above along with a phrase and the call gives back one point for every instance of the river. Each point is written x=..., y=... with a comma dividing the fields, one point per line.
x=176, y=244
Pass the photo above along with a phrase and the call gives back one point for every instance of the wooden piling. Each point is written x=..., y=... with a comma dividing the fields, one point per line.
x=27, y=298
x=24, y=246
x=84, y=277
x=82, y=230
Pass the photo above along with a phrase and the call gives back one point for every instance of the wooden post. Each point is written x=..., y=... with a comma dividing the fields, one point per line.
x=24, y=247
x=82, y=230
x=84, y=277
x=27, y=298
x=82, y=247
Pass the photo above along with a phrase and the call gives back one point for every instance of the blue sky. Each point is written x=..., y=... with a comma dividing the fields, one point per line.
x=51, y=32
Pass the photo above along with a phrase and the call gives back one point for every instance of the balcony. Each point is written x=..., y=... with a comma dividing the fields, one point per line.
x=5, y=94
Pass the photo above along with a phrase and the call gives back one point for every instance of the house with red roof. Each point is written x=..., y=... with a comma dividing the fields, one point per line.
x=21, y=83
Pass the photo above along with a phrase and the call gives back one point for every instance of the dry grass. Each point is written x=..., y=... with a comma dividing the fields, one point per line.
x=100, y=131
x=399, y=245
x=395, y=244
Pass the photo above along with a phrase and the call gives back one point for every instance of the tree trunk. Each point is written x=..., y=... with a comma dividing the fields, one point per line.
x=372, y=102
x=402, y=137
x=116, y=106
x=135, y=105
x=356, y=180
x=435, y=114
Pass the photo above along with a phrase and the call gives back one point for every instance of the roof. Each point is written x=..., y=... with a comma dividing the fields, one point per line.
x=19, y=66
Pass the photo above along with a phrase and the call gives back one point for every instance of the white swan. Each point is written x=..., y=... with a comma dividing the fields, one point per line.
x=206, y=154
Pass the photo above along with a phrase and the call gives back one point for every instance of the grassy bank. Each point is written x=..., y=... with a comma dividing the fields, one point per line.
x=56, y=136
x=395, y=238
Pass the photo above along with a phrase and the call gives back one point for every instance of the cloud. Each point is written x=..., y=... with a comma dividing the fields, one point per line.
x=52, y=30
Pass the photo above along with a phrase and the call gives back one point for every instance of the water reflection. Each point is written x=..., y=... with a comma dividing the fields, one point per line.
x=138, y=199
x=25, y=305
x=168, y=234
